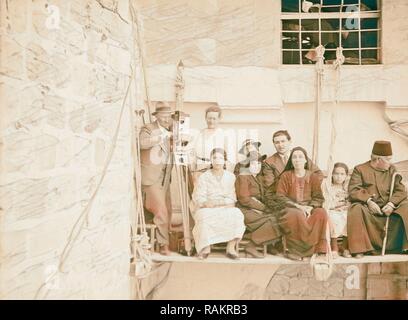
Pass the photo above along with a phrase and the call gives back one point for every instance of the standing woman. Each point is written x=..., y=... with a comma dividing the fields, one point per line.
x=217, y=219
x=304, y=222
x=262, y=225
x=208, y=139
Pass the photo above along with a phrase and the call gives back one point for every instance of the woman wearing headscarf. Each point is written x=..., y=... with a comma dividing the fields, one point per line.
x=260, y=222
x=304, y=222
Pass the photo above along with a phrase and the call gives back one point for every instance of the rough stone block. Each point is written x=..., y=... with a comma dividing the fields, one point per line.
x=379, y=287
x=374, y=268
x=290, y=271
x=335, y=288
x=298, y=286
x=11, y=53
x=17, y=12
x=278, y=285
x=316, y=289
x=394, y=268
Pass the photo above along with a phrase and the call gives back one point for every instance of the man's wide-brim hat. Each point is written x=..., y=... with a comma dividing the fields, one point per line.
x=252, y=156
x=248, y=142
x=162, y=107
x=382, y=148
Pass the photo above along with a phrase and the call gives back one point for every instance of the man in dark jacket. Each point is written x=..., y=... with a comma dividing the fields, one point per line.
x=369, y=189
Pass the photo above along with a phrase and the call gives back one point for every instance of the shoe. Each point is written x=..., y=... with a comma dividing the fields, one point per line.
x=165, y=250
x=359, y=255
x=293, y=256
x=374, y=253
x=273, y=250
x=251, y=250
x=203, y=256
x=346, y=254
x=335, y=254
x=232, y=256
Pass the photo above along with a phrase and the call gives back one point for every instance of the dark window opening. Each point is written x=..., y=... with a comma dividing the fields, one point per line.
x=353, y=25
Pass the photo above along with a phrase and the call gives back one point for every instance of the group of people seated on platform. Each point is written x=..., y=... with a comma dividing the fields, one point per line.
x=283, y=201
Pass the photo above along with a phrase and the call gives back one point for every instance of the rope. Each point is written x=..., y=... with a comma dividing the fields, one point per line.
x=395, y=125
x=323, y=269
x=319, y=72
x=337, y=68
x=140, y=239
x=140, y=45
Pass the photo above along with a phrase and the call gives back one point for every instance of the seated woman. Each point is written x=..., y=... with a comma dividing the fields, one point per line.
x=304, y=222
x=336, y=203
x=217, y=219
x=263, y=226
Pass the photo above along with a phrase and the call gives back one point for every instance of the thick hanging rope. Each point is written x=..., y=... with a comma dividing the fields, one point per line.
x=323, y=268
x=319, y=78
x=140, y=45
x=337, y=76
x=140, y=239
x=141, y=246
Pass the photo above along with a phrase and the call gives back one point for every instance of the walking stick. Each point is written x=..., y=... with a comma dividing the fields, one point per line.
x=387, y=222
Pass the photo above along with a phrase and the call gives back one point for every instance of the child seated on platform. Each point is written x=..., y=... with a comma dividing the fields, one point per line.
x=336, y=203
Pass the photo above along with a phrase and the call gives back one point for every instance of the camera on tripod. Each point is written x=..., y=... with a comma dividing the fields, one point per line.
x=181, y=130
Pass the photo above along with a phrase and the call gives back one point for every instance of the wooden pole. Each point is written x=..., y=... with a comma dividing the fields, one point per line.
x=181, y=168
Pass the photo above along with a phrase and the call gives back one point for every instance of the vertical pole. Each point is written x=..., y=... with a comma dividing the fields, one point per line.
x=319, y=74
x=181, y=167
x=139, y=38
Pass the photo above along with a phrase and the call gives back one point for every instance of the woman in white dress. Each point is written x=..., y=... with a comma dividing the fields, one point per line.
x=216, y=218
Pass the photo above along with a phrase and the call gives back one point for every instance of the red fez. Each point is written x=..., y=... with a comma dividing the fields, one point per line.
x=382, y=148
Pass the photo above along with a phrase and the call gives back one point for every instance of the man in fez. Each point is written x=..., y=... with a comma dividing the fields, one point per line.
x=369, y=190
x=156, y=166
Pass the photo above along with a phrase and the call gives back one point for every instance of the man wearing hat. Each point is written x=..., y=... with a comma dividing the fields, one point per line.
x=156, y=166
x=369, y=189
x=248, y=146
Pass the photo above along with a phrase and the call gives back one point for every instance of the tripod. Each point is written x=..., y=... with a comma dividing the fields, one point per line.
x=181, y=122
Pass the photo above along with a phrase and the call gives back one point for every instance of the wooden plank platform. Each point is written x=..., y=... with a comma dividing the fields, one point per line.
x=217, y=257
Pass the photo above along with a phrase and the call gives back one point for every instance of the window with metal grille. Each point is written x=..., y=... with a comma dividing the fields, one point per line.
x=353, y=25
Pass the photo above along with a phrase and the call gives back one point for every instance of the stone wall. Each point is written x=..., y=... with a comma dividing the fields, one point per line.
x=211, y=32
x=358, y=281
x=64, y=71
x=395, y=32
x=377, y=281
